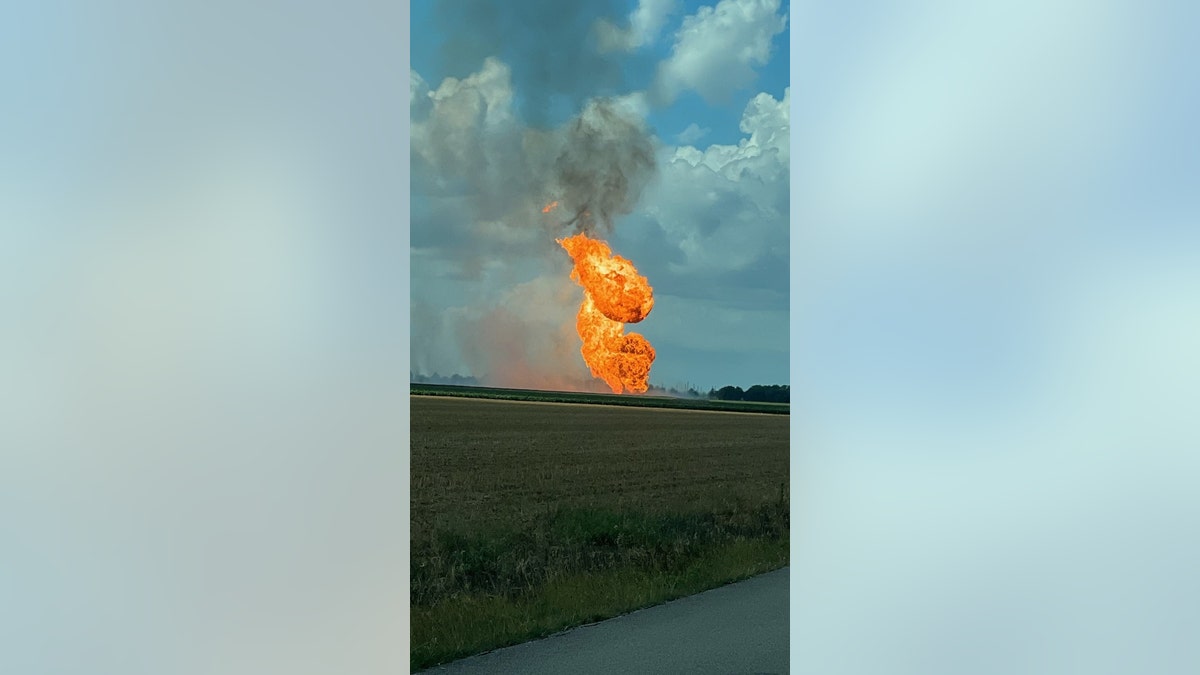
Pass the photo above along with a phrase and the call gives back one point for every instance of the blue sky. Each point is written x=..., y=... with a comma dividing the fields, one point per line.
x=709, y=230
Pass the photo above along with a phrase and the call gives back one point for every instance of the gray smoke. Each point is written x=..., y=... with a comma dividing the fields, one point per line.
x=489, y=149
x=551, y=46
x=606, y=161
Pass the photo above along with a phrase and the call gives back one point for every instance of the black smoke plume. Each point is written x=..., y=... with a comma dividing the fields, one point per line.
x=606, y=161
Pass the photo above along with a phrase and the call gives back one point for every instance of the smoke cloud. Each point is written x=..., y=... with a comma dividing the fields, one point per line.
x=605, y=163
x=499, y=303
x=551, y=46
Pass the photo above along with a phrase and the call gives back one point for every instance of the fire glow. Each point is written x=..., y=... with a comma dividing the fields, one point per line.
x=614, y=294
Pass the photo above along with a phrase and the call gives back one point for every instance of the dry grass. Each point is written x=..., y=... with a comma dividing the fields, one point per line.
x=513, y=502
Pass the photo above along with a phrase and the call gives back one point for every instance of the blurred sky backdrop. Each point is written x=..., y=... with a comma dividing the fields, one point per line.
x=203, y=336
x=710, y=232
x=996, y=336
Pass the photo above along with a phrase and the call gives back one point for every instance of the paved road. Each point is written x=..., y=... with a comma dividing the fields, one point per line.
x=737, y=629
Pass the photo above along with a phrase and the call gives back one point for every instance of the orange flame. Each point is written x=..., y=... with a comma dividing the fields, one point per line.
x=550, y=207
x=614, y=294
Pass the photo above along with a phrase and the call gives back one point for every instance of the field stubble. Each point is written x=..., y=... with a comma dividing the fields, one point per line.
x=528, y=518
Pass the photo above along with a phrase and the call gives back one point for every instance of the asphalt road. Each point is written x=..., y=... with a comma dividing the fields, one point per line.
x=738, y=629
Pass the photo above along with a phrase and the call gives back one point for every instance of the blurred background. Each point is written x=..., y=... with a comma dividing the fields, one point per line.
x=203, y=337
x=995, y=320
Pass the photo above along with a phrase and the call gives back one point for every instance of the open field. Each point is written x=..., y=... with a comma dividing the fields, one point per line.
x=527, y=519
x=641, y=401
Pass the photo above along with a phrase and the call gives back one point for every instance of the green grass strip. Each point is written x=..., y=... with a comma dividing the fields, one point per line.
x=473, y=623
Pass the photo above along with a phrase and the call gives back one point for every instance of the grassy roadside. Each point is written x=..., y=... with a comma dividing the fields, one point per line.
x=477, y=592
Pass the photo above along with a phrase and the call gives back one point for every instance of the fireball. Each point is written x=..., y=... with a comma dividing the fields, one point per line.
x=614, y=294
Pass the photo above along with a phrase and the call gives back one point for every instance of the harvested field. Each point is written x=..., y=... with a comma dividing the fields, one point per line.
x=529, y=518
x=478, y=461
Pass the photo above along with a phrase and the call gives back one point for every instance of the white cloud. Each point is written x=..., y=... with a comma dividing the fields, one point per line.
x=722, y=215
x=478, y=170
x=766, y=121
x=634, y=104
x=645, y=22
x=418, y=93
x=726, y=206
x=692, y=134
x=717, y=49
x=462, y=114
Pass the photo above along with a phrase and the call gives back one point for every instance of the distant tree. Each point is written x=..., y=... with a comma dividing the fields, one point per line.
x=731, y=394
x=773, y=393
x=768, y=393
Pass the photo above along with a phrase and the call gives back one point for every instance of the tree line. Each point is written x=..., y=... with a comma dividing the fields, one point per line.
x=766, y=393
x=460, y=380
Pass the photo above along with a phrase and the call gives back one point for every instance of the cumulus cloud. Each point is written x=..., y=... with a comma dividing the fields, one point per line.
x=691, y=134
x=481, y=175
x=717, y=49
x=635, y=104
x=645, y=22
x=766, y=121
x=726, y=207
x=418, y=95
x=465, y=113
